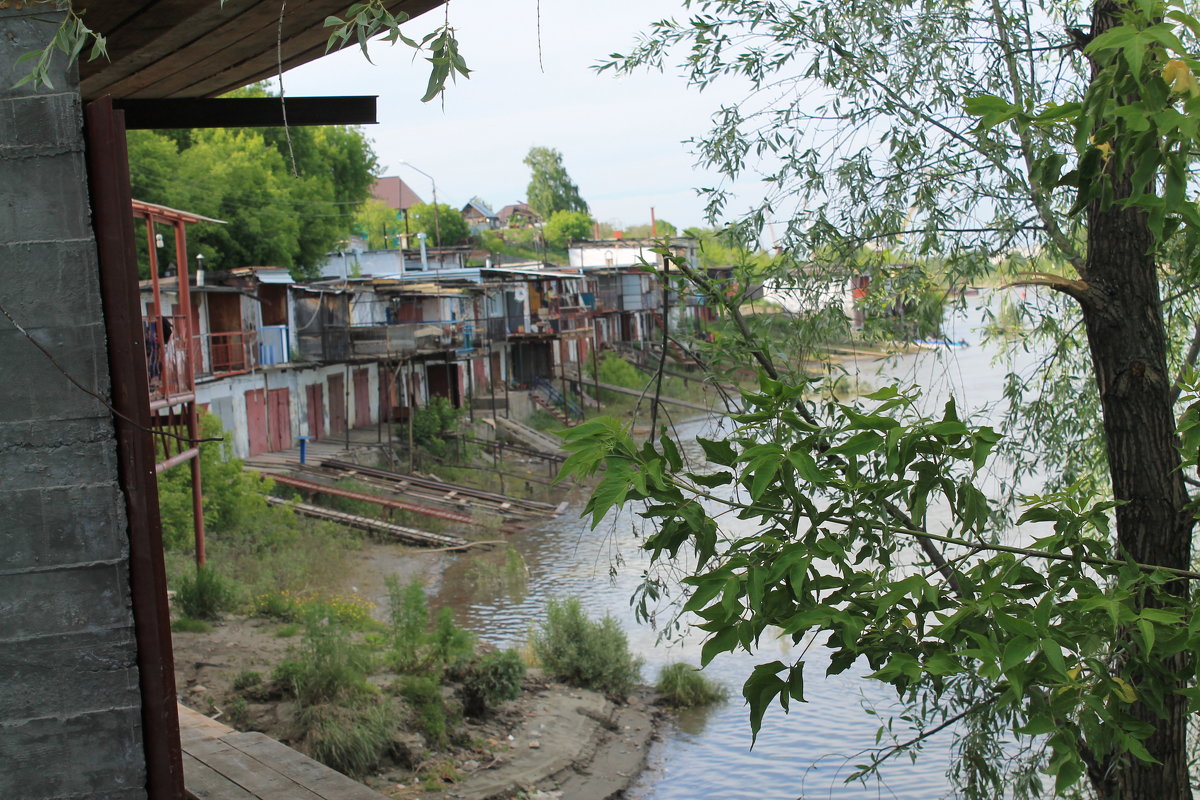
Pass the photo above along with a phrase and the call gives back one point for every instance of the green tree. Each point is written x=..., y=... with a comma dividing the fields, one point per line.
x=951, y=133
x=379, y=223
x=288, y=196
x=444, y=222
x=567, y=226
x=550, y=187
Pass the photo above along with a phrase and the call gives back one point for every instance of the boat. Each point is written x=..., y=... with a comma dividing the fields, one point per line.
x=938, y=344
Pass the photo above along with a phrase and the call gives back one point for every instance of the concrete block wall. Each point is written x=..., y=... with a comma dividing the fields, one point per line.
x=70, y=706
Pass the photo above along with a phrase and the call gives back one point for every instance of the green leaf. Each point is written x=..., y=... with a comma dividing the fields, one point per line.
x=722, y=642
x=760, y=689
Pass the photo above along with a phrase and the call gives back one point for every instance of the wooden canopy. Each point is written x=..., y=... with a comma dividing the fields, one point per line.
x=201, y=48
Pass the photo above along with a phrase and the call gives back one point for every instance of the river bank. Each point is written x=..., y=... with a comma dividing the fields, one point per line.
x=552, y=741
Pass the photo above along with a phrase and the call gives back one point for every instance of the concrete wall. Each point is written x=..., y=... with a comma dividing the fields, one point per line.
x=70, y=706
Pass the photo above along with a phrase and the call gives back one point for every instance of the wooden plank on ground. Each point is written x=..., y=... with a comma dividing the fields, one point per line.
x=256, y=777
x=202, y=782
x=316, y=777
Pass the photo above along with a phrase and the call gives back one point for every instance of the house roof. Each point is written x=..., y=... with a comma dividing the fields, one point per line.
x=479, y=206
x=517, y=208
x=395, y=193
x=202, y=48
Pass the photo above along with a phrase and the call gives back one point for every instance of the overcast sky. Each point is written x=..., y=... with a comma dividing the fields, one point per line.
x=621, y=138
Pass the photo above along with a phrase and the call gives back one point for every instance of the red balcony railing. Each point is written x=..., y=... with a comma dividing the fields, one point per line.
x=226, y=353
x=168, y=360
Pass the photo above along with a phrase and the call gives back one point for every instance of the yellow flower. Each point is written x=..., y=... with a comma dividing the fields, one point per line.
x=1180, y=78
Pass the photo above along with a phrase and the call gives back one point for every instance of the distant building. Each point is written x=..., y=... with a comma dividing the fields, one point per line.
x=395, y=193
x=478, y=216
x=518, y=215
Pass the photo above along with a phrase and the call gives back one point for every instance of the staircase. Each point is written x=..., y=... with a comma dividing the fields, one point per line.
x=564, y=409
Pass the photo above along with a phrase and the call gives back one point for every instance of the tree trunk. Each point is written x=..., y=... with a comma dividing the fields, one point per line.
x=1123, y=316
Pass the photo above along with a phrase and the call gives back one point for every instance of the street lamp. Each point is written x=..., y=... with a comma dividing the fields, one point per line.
x=437, y=228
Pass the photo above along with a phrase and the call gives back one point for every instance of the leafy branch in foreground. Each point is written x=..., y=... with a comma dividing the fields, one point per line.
x=1066, y=637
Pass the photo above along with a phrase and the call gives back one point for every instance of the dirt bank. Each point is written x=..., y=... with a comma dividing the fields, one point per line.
x=551, y=742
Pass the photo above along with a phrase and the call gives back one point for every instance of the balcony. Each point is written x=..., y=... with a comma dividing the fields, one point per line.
x=228, y=353
x=168, y=364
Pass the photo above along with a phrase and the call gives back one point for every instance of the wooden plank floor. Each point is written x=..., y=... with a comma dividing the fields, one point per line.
x=220, y=763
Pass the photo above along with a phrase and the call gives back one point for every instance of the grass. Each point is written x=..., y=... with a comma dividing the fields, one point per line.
x=352, y=740
x=189, y=625
x=592, y=654
x=683, y=686
x=204, y=594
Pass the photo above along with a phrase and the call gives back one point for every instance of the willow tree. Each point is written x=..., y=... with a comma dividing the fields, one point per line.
x=958, y=131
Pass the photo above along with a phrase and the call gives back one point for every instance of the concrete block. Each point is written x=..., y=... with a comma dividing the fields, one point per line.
x=25, y=31
x=68, y=600
x=28, y=268
x=83, y=463
x=59, y=211
x=86, y=755
x=65, y=526
x=41, y=125
x=75, y=673
x=33, y=387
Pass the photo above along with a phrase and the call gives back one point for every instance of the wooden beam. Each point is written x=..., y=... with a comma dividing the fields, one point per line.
x=246, y=112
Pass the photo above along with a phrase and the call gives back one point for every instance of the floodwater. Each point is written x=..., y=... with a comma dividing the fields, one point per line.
x=808, y=753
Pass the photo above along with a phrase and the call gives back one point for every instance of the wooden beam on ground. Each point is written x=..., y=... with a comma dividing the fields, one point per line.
x=246, y=112
x=371, y=525
x=386, y=502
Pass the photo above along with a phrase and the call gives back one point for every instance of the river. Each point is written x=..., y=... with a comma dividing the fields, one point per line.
x=807, y=753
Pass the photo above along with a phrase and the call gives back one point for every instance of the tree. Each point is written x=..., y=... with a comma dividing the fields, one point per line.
x=567, y=226
x=550, y=187
x=288, y=196
x=660, y=228
x=449, y=222
x=999, y=129
x=379, y=223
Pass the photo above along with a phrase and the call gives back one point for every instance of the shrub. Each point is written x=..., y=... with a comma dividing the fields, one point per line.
x=326, y=667
x=203, y=595
x=409, y=616
x=583, y=652
x=424, y=694
x=683, y=686
x=246, y=679
x=492, y=680
x=351, y=740
x=450, y=646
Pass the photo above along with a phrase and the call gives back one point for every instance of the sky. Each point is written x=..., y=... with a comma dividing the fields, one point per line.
x=621, y=138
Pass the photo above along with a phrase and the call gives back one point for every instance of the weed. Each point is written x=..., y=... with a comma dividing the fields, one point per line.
x=683, y=686
x=237, y=712
x=583, y=652
x=204, y=594
x=425, y=696
x=349, y=610
x=352, y=740
x=287, y=631
x=435, y=776
x=450, y=646
x=409, y=615
x=189, y=625
x=492, y=680
x=246, y=679
x=327, y=666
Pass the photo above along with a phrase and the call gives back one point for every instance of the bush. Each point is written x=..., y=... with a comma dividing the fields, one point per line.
x=492, y=680
x=683, y=686
x=246, y=679
x=450, y=646
x=351, y=740
x=203, y=595
x=583, y=652
x=424, y=694
x=327, y=666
